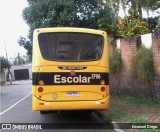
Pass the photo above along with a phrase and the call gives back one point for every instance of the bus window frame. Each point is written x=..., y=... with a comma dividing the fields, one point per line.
x=56, y=60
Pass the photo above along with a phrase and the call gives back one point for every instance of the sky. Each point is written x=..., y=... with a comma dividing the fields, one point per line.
x=12, y=26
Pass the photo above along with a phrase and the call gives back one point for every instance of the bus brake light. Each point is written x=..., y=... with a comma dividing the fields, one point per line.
x=40, y=89
x=103, y=89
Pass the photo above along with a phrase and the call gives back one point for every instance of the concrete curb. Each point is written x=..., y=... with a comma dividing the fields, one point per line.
x=19, y=82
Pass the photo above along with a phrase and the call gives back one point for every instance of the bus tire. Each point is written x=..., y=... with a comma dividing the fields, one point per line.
x=43, y=112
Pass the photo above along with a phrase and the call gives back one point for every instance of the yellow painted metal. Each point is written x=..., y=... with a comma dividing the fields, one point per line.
x=71, y=105
x=38, y=61
x=89, y=95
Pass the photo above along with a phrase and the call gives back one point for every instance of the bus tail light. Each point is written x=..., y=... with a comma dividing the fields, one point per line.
x=102, y=82
x=40, y=89
x=102, y=102
x=45, y=103
x=103, y=89
x=41, y=82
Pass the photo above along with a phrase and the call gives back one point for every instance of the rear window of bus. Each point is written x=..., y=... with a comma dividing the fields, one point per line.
x=71, y=46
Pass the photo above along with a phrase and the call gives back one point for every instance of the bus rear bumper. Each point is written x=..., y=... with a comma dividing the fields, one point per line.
x=40, y=105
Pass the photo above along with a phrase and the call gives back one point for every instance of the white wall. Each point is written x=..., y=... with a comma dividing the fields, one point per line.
x=146, y=40
x=26, y=66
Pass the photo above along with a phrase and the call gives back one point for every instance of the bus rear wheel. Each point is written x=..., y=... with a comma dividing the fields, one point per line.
x=43, y=112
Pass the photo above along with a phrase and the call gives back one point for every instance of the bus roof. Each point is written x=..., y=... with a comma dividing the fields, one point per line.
x=70, y=29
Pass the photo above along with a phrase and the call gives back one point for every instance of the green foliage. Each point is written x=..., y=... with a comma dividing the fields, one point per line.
x=142, y=121
x=19, y=60
x=142, y=64
x=110, y=116
x=132, y=119
x=152, y=23
x=130, y=110
x=147, y=5
x=133, y=25
x=143, y=102
x=115, y=62
x=116, y=111
x=106, y=24
x=26, y=44
x=153, y=4
x=4, y=64
x=59, y=13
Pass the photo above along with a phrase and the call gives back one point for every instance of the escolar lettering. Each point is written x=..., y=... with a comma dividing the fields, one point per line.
x=77, y=79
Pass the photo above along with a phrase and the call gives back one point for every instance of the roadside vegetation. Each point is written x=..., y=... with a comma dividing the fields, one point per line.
x=115, y=61
x=132, y=110
x=142, y=65
x=4, y=64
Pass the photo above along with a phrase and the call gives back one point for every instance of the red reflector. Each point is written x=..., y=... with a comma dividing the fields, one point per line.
x=102, y=102
x=103, y=89
x=40, y=89
x=72, y=73
x=41, y=103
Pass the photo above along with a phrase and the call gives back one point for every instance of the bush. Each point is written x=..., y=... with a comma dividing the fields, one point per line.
x=4, y=63
x=142, y=64
x=115, y=61
x=133, y=25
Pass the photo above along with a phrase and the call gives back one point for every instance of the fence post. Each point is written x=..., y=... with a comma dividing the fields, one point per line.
x=128, y=47
x=156, y=51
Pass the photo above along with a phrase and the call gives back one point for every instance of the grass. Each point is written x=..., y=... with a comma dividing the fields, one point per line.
x=115, y=62
x=132, y=119
x=143, y=101
x=140, y=120
x=125, y=109
x=133, y=110
x=108, y=117
x=116, y=111
x=142, y=64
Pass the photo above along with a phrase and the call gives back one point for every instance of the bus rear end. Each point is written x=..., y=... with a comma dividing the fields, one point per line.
x=70, y=69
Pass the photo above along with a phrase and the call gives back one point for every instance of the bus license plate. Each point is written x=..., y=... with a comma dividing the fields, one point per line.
x=72, y=94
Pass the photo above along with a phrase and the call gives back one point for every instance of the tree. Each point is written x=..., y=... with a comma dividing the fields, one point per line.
x=59, y=13
x=19, y=60
x=26, y=44
x=109, y=24
x=4, y=64
x=135, y=25
x=109, y=21
x=147, y=5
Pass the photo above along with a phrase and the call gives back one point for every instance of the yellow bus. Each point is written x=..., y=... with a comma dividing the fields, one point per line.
x=70, y=69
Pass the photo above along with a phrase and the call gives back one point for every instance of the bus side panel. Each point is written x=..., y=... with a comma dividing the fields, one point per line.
x=34, y=87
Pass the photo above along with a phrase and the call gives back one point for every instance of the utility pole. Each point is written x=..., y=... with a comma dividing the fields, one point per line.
x=9, y=73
